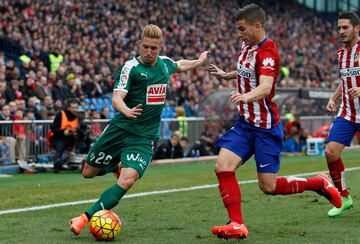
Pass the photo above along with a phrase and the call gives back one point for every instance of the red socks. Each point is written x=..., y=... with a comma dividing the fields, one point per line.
x=293, y=185
x=337, y=172
x=230, y=194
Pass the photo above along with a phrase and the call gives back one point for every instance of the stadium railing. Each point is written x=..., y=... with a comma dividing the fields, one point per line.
x=34, y=137
x=36, y=131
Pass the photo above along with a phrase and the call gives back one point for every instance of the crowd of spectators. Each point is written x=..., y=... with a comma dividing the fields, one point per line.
x=54, y=50
x=51, y=51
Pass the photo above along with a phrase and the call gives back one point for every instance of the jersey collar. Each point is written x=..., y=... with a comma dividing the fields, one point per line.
x=263, y=41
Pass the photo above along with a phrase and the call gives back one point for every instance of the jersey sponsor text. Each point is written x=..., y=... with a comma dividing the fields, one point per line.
x=156, y=94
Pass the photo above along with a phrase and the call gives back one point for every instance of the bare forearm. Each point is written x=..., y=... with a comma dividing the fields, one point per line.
x=336, y=95
x=119, y=106
x=185, y=65
x=118, y=102
x=263, y=90
x=230, y=75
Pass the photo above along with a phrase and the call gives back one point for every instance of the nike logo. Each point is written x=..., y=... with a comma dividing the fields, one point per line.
x=329, y=184
x=264, y=165
x=144, y=74
x=237, y=227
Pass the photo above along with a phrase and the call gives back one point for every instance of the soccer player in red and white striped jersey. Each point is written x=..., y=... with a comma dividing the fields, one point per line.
x=348, y=92
x=258, y=130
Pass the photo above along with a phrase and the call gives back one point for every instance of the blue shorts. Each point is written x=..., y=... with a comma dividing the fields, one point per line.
x=342, y=131
x=246, y=140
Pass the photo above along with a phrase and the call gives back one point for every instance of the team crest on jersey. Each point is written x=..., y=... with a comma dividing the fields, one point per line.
x=356, y=57
x=249, y=58
x=268, y=63
x=156, y=94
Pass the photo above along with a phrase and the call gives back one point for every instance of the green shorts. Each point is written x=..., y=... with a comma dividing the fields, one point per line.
x=116, y=144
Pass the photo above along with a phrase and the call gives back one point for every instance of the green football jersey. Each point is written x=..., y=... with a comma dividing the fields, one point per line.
x=144, y=85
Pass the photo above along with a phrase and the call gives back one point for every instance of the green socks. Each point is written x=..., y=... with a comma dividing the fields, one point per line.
x=109, y=199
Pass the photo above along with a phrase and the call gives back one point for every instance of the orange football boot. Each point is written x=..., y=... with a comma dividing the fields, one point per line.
x=232, y=230
x=78, y=223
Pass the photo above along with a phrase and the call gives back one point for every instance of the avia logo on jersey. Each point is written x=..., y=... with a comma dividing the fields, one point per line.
x=243, y=71
x=156, y=94
x=268, y=63
x=350, y=72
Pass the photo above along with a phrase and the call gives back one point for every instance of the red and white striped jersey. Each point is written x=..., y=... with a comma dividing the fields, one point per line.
x=349, y=67
x=253, y=61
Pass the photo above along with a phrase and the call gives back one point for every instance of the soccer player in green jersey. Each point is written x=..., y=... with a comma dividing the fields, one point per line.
x=139, y=97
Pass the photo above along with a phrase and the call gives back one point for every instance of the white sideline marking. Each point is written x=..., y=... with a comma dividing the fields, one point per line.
x=142, y=194
x=4, y=176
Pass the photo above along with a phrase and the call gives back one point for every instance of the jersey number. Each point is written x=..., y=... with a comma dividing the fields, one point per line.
x=103, y=159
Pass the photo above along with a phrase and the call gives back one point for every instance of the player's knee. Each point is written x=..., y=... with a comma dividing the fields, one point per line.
x=221, y=166
x=87, y=174
x=268, y=189
x=330, y=153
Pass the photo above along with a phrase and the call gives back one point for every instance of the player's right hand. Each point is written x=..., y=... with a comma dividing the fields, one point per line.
x=331, y=106
x=214, y=70
x=133, y=112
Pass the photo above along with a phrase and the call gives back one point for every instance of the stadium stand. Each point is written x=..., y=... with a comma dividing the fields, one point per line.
x=75, y=48
x=54, y=50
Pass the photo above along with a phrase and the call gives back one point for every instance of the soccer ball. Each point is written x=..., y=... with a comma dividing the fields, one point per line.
x=105, y=225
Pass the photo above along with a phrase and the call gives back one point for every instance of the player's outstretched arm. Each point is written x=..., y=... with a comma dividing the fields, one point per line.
x=185, y=65
x=120, y=106
x=214, y=70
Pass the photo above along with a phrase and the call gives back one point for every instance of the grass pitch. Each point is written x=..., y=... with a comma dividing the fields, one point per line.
x=179, y=217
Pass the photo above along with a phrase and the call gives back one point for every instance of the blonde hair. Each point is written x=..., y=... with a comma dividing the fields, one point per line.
x=180, y=111
x=151, y=31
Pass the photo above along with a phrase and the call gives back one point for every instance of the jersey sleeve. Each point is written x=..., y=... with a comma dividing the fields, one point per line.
x=170, y=64
x=268, y=63
x=122, y=79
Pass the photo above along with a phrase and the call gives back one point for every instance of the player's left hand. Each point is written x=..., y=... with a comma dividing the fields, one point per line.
x=133, y=112
x=354, y=92
x=204, y=57
x=237, y=97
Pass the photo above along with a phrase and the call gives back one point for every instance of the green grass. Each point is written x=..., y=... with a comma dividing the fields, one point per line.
x=181, y=217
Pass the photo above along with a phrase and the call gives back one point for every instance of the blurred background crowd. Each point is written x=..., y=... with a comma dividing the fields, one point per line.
x=51, y=51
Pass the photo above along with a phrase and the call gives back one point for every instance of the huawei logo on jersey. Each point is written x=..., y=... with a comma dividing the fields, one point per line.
x=156, y=94
x=268, y=63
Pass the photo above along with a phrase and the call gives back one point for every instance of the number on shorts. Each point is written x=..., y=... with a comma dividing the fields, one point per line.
x=103, y=158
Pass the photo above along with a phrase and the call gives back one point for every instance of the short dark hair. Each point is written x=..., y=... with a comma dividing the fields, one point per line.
x=251, y=13
x=350, y=15
x=71, y=101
